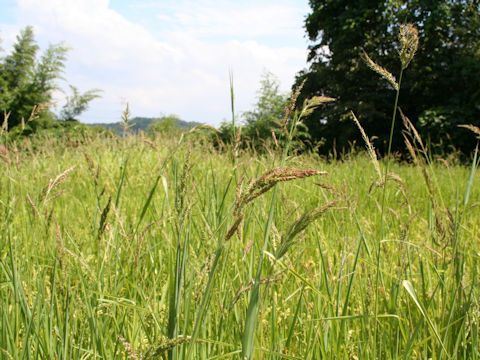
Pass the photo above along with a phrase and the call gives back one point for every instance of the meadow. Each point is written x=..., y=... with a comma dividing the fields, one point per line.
x=166, y=247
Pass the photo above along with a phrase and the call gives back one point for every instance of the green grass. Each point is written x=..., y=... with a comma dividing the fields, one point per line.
x=118, y=255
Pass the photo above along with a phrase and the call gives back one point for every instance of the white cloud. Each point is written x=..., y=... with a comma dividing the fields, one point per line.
x=235, y=18
x=182, y=68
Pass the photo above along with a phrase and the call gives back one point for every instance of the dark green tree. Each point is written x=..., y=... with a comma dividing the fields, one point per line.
x=439, y=90
x=28, y=82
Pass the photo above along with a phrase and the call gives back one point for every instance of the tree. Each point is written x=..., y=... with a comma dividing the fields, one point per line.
x=164, y=124
x=27, y=83
x=267, y=112
x=77, y=103
x=264, y=121
x=440, y=83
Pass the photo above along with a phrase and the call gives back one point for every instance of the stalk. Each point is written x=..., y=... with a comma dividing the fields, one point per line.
x=232, y=103
x=408, y=39
x=382, y=228
x=254, y=303
x=221, y=241
x=236, y=136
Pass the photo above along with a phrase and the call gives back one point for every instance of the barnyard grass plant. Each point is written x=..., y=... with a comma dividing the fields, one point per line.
x=167, y=248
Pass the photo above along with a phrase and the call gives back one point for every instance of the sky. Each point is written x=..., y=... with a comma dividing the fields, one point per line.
x=166, y=57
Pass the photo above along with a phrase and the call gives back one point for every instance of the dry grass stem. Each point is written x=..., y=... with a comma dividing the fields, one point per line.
x=442, y=223
x=411, y=129
x=6, y=115
x=32, y=204
x=410, y=149
x=473, y=128
x=4, y=154
x=301, y=224
x=370, y=148
x=54, y=183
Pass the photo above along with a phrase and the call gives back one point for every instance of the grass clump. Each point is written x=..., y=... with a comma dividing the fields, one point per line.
x=80, y=271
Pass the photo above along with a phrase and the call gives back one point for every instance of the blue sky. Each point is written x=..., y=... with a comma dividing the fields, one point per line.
x=166, y=57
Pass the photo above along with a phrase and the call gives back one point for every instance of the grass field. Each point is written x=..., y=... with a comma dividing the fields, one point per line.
x=128, y=248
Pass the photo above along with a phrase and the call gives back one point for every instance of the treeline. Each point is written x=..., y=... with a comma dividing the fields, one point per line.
x=163, y=123
x=438, y=92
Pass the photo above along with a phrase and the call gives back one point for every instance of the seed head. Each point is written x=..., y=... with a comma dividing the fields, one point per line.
x=169, y=344
x=309, y=105
x=132, y=353
x=408, y=43
x=6, y=115
x=370, y=148
x=246, y=193
x=473, y=128
x=290, y=106
x=268, y=180
x=301, y=224
x=411, y=129
x=380, y=70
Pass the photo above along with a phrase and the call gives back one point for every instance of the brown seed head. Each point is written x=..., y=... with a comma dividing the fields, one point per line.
x=473, y=128
x=290, y=106
x=268, y=180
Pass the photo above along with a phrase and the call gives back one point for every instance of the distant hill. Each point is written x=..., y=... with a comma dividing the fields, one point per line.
x=142, y=123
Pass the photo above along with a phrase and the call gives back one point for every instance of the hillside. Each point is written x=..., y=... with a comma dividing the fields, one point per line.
x=142, y=123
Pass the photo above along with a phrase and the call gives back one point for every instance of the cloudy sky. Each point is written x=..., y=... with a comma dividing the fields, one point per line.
x=167, y=56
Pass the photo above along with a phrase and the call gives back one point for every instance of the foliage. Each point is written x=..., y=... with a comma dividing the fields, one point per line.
x=444, y=73
x=42, y=129
x=263, y=126
x=142, y=123
x=77, y=103
x=440, y=125
x=164, y=124
x=268, y=111
x=27, y=83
